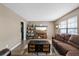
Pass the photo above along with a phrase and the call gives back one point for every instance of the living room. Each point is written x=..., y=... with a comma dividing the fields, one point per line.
x=39, y=29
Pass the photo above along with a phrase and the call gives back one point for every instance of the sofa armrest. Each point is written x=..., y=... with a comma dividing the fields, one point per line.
x=5, y=52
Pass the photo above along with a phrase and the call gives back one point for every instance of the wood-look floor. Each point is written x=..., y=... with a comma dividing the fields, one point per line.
x=22, y=50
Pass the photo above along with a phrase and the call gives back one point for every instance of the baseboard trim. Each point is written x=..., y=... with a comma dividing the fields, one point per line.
x=15, y=46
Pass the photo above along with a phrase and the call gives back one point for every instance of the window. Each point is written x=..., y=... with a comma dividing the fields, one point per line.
x=69, y=26
x=72, y=25
x=62, y=27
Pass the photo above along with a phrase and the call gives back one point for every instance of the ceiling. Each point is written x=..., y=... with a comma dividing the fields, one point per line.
x=41, y=11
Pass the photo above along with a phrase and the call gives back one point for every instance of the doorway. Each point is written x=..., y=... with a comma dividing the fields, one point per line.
x=22, y=31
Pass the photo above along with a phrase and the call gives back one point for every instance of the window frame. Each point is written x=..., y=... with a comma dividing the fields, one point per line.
x=68, y=27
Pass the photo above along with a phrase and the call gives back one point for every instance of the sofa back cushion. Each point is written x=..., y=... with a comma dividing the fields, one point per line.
x=59, y=37
x=66, y=37
x=63, y=37
x=74, y=40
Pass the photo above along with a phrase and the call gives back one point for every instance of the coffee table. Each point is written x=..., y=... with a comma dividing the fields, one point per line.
x=53, y=51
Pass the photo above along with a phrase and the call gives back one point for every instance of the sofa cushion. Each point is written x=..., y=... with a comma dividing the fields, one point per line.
x=65, y=45
x=74, y=40
x=59, y=48
x=67, y=36
x=73, y=53
x=59, y=37
x=63, y=37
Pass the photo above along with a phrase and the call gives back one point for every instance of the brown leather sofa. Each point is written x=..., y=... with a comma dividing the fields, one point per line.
x=66, y=44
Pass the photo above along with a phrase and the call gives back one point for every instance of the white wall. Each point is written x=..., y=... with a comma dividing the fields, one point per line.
x=50, y=28
x=10, y=28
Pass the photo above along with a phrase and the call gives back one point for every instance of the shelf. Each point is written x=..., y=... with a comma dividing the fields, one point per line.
x=33, y=33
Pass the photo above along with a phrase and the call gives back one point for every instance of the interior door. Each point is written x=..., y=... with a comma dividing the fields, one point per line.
x=22, y=31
